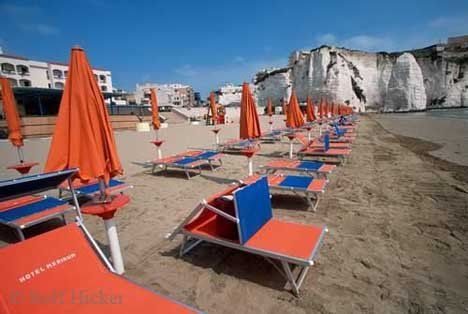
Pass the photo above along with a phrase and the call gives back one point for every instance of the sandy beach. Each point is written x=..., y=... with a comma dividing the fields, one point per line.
x=397, y=215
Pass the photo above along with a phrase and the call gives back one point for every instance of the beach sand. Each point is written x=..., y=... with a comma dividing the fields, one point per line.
x=397, y=219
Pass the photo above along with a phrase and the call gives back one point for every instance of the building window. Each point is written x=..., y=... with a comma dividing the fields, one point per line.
x=57, y=74
x=13, y=82
x=65, y=73
x=22, y=69
x=96, y=77
x=104, y=88
x=102, y=78
x=8, y=68
x=25, y=83
x=59, y=85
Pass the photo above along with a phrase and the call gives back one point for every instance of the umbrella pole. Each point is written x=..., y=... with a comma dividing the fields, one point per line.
x=291, y=149
x=111, y=232
x=20, y=154
x=250, y=165
x=113, y=238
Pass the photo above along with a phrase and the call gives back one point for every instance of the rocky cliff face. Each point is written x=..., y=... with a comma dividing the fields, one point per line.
x=436, y=76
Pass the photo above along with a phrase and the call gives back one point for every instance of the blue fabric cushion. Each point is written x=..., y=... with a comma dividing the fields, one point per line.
x=310, y=165
x=29, y=209
x=297, y=182
x=93, y=188
x=206, y=155
x=186, y=160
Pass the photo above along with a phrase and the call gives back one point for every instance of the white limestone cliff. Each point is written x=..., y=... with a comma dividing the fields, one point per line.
x=436, y=76
x=406, y=86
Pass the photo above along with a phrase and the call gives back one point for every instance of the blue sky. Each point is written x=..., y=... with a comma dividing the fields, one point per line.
x=208, y=43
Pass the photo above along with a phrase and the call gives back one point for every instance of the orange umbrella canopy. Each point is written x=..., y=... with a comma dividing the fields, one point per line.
x=320, y=109
x=269, y=108
x=214, y=113
x=11, y=114
x=155, y=110
x=83, y=135
x=328, y=109
x=295, y=119
x=310, y=110
x=249, y=122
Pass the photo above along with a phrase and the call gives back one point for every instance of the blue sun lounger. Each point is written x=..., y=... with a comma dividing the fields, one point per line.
x=302, y=166
x=241, y=218
x=237, y=145
x=91, y=189
x=21, y=208
x=307, y=186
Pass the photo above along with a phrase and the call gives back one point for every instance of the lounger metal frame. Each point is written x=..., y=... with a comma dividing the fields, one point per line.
x=312, y=197
x=192, y=240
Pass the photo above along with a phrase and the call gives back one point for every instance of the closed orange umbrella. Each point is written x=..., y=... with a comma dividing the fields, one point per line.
x=310, y=110
x=328, y=109
x=320, y=109
x=155, y=110
x=269, y=108
x=214, y=113
x=295, y=119
x=83, y=136
x=249, y=122
x=11, y=114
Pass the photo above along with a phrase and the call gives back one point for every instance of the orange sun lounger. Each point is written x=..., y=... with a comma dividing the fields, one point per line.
x=317, y=143
x=60, y=272
x=188, y=161
x=303, y=166
x=325, y=152
x=241, y=218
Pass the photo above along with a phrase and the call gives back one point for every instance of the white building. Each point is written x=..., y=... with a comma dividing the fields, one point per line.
x=24, y=72
x=173, y=95
x=229, y=95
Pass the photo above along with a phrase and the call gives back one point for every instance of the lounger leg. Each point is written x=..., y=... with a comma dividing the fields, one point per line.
x=187, y=174
x=291, y=280
x=211, y=165
x=313, y=201
x=188, y=244
x=20, y=234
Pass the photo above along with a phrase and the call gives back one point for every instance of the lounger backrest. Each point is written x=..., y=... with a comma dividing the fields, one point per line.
x=253, y=208
x=33, y=184
x=339, y=132
x=326, y=142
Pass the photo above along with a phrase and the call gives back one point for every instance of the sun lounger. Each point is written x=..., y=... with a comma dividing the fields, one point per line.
x=92, y=188
x=188, y=161
x=21, y=209
x=309, y=187
x=241, y=218
x=318, y=142
x=301, y=166
x=236, y=145
x=325, y=152
x=211, y=156
x=271, y=137
x=64, y=271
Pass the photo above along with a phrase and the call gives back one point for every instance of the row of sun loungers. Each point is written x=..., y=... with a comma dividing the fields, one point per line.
x=240, y=217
